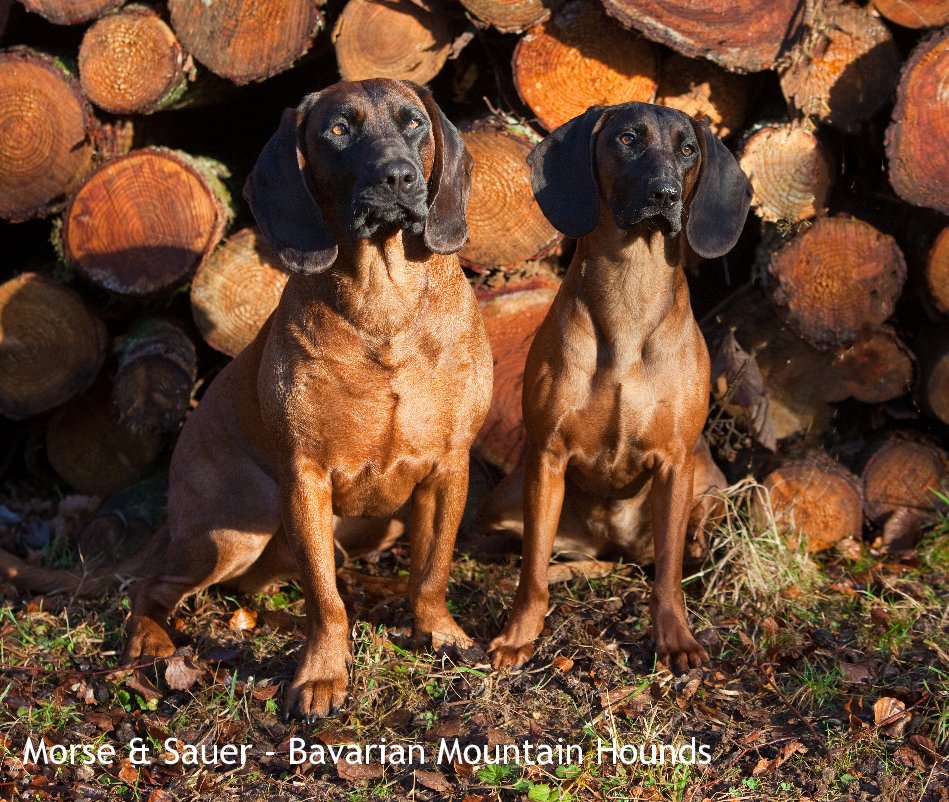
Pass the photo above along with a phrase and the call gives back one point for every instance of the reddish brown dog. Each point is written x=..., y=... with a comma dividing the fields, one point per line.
x=616, y=383
x=362, y=392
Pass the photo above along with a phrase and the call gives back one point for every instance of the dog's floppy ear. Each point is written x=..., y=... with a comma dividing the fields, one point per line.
x=283, y=204
x=563, y=175
x=446, y=230
x=721, y=199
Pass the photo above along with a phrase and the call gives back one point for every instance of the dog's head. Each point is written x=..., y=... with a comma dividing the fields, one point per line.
x=354, y=159
x=649, y=163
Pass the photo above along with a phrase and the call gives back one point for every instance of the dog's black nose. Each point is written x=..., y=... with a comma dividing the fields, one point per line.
x=399, y=175
x=664, y=194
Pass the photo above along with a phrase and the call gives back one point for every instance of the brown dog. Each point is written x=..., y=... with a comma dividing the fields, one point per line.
x=616, y=383
x=363, y=391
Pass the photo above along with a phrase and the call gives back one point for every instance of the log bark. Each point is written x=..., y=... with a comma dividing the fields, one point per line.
x=92, y=450
x=914, y=13
x=934, y=354
x=835, y=278
x=157, y=369
x=510, y=16
x=51, y=345
x=742, y=36
x=246, y=40
x=701, y=89
x=235, y=290
x=48, y=128
x=505, y=225
x=512, y=316
x=844, y=69
x=937, y=272
x=391, y=39
x=816, y=498
x=579, y=58
x=898, y=484
x=131, y=62
x=121, y=232
x=789, y=169
x=916, y=140
x=70, y=12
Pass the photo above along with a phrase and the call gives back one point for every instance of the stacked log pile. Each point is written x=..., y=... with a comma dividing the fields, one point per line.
x=131, y=271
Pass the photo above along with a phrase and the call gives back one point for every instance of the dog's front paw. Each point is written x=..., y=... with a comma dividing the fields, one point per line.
x=312, y=699
x=506, y=654
x=676, y=647
x=148, y=640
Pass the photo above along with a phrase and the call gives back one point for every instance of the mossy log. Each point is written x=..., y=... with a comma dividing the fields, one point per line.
x=391, y=39
x=157, y=369
x=579, y=58
x=51, y=345
x=789, y=170
x=505, y=225
x=235, y=290
x=92, y=450
x=122, y=233
x=246, y=40
x=70, y=12
x=917, y=140
x=899, y=481
x=835, y=278
x=47, y=132
x=131, y=62
x=816, y=498
x=844, y=69
x=702, y=89
x=742, y=36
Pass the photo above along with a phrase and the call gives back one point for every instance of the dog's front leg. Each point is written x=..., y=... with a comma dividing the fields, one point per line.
x=543, y=501
x=671, y=500
x=319, y=685
x=437, y=506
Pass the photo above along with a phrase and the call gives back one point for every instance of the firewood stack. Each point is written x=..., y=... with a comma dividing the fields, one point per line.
x=132, y=271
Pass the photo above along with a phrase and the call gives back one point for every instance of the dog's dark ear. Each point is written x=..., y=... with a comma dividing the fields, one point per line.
x=721, y=199
x=283, y=204
x=563, y=175
x=446, y=230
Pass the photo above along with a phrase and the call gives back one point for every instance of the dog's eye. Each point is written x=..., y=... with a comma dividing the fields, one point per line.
x=414, y=123
x=627, y=138
x=339, y=129
x=687, y=148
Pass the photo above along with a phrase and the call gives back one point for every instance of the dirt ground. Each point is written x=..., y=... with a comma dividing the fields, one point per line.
x=829, y=681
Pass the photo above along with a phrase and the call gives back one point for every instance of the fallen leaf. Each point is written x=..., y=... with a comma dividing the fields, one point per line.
x=891, y=716
x=928, y=747
x=861, y=673
x=359, y=772
x=562, y=664
x=160, y=796
x=433, y=780
x=787, y=751
x=243, y=619
x=181, y=674
x=139, y=683
x=909, y=757
x=128, y=773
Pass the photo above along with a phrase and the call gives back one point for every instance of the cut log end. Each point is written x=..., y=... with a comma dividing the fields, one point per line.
x=92, y=450
x=122, y=234
x=878, y=367
x=836, y=278
x=509, y=16
x=898, y=483
x=701, y=89
x=71, y=12
x=246, y=40
x=742, y=36
x=937, y=272
x=844, y=69
x=789, y=171
x=511, y=318
x=934, y=353
x=816, y=498
x=915, y=140
x=131, y=62
x=157, y=370
x=390, y=39
x=578, y=59
x=235, y=291
x=45, y=149
x=914, y=13
x=506, y=226
x=51, y=345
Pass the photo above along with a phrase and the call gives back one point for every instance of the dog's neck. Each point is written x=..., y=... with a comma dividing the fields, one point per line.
x=379, y=283
x=631, y=281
